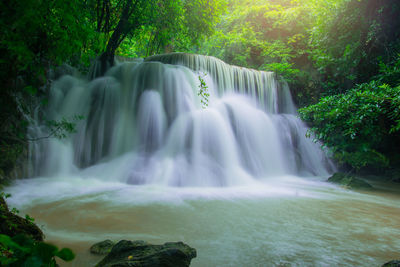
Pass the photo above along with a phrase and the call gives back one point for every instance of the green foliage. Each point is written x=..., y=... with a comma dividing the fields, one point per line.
x=36, y=36
x=271, y=36
x=172, y=26
x=21, y=250
x=38, y=31
x=361, y=127
x=4, y=214
x=339, y=43
x=61, y=128
x=389, y=73
x=348, y=42
x=20, y=241
x=260, y=33
x=203, y=91
x=284, y=70
x=4, y=195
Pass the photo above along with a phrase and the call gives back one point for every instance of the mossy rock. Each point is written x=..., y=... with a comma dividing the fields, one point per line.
x=349, y=181
x=12, y=224
x=102, y=248
x=395, y=263
x=142, y=254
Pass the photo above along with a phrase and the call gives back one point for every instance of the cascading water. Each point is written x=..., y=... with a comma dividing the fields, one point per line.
x=150, y=113
x=237, y=180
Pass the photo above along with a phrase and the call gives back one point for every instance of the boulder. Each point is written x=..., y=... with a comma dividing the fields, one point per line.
x=349, y=181
x=143, y=254
x=102, y=248
x=395, y=263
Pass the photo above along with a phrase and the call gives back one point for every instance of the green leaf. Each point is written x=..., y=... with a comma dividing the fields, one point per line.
x=31, y=90
x=9, y=243
x=65, y=254
x=33, y=261
x=45, y=251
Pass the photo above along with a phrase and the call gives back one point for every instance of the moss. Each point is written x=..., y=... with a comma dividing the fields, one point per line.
x=12, y=224
x=102, y=248
x=349, y=181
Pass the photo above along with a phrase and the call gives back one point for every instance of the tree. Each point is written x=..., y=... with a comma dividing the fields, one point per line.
x=34, y=36
x=163, y=23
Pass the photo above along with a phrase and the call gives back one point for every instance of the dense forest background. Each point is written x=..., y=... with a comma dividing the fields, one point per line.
x=341, y=59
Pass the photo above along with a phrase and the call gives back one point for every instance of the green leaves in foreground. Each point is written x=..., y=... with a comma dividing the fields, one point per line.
x=21, y=250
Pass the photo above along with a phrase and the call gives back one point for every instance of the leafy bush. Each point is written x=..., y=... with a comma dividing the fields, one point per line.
x=389, y=73
x=361, y=127
x=285, y=70
x=21, y=250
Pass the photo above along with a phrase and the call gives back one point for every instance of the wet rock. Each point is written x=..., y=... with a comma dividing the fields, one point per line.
x=395, y=263
x=143, y=254
x=349, y=181
x=102, y=248
x=12, y=224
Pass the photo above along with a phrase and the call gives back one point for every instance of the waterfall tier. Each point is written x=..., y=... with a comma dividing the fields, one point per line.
x=144, y=123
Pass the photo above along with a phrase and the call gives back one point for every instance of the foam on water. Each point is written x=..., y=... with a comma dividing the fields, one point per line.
x=275, y=221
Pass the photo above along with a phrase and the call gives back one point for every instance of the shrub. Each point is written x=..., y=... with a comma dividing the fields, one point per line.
x=361, y=127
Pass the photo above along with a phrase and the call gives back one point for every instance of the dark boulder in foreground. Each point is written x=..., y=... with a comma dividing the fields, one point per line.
x=395, y=263
x=142, y=254
x=349, y=181
x=102, y=248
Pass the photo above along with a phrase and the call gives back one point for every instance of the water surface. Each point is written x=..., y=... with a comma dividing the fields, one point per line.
x=287, y=221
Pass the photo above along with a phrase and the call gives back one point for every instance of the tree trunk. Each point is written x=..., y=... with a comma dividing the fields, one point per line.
x=119, y=34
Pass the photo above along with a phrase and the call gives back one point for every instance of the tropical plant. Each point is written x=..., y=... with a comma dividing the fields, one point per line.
x=21, y=250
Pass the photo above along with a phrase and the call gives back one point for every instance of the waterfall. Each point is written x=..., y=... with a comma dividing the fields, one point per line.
x=144, y=124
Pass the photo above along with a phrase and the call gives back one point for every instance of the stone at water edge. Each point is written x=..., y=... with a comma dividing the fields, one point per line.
x=142, y=254
x=102, y=248
x=349, y=181
x=395, y=263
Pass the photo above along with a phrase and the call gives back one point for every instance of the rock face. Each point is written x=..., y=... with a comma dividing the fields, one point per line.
x=102, y=248
x=395, y=263
x=142, y=254
x=349, y=181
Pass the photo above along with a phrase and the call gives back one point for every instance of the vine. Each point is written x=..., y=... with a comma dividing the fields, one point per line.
x=203, y=91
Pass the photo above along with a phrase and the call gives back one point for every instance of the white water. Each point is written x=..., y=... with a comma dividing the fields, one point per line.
x=147, y=118
x=148, y=162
